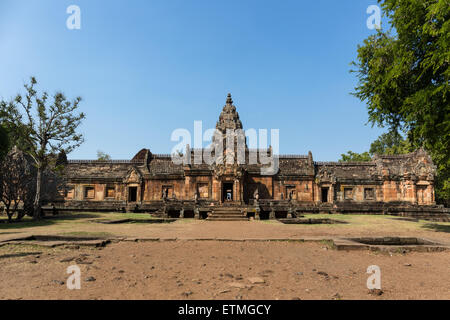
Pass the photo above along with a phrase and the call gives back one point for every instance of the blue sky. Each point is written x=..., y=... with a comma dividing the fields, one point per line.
x=145, y=68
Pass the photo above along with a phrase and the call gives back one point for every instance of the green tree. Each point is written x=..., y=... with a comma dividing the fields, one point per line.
x=390, y=143
x=4, y=142
x=101, y=156
x=404, y=78
x=46, y=126
x=15, y=182
x=355, y=157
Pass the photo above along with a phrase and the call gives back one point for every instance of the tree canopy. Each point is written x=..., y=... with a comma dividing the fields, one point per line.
x=4, y=142
x=390, y=143
x=102, y=156
x=351, y=156
x=44, y=125
x=403, y=77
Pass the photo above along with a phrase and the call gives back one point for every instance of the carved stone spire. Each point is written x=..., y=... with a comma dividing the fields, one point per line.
x=229, y=100
x=229, y=117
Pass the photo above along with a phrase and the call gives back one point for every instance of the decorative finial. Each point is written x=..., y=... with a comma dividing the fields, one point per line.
x=229, y=100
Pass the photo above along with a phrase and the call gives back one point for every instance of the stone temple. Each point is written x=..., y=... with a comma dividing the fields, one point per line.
x=399, y=185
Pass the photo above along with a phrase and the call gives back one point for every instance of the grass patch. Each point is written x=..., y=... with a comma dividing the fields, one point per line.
x=328, y=243
x=87, y=234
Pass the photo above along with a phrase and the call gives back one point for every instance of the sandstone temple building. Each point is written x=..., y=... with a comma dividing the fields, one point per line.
x=154, y=183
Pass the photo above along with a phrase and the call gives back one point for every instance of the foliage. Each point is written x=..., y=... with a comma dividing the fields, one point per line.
x=390, y=143
x=16, y=182
x=4, y=142
x=45, y=126
x=101, y=156
x=355, y=157
x=404, y=78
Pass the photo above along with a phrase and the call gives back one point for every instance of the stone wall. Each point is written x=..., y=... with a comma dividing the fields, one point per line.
x=386, y=179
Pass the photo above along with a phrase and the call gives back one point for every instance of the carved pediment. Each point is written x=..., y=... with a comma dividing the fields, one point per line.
x=228, y=170
x=326, y=175
x=424, y=171
x=133, y=176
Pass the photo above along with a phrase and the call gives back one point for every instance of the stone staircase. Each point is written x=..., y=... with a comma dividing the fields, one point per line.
x=227, y=213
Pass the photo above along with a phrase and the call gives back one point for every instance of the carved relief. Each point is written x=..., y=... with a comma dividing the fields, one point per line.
x=326, y=175
x=133, y=176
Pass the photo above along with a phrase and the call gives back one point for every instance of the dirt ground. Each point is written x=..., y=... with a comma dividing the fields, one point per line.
x=221, y=270
x=177, y=266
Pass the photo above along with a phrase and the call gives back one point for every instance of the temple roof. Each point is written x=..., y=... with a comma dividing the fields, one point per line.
x=229, y=117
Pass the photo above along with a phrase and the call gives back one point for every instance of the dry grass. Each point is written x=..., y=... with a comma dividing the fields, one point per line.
x=82, y=224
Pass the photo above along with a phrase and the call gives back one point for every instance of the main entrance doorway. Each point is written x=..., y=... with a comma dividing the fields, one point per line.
x=227, y=191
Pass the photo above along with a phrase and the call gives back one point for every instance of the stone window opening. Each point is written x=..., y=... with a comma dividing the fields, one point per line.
x=167, y=192
x=203, y=190
x=291, y=193
x=348, y=193
x=110, y=192
x=369, y=193
x=70, y=192
x=89, y=192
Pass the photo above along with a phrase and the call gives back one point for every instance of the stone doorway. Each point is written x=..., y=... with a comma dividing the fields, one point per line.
x=325, y=194
x=421, y=194
x=227, y=192
x=132, y=194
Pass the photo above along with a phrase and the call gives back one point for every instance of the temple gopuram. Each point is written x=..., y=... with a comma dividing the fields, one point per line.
x=153, y=183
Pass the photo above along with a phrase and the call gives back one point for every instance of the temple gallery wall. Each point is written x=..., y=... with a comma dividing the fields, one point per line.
x=402, y=184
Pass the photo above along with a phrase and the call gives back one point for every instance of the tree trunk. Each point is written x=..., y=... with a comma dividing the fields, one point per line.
x=8, y=213
x=37, y=197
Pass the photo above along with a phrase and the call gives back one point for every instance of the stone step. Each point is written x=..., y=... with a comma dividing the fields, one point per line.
x=227, y=212
x=219, y=218
x=227, y=215
x=227, y=209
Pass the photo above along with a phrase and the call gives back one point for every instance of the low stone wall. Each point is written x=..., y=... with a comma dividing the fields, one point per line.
x=272, y=209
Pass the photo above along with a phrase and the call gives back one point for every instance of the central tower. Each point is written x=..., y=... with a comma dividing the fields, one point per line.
x=229, y=117
x=228, y=172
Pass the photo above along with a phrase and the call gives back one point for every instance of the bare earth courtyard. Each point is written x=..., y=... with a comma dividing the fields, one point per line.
x=197, y=259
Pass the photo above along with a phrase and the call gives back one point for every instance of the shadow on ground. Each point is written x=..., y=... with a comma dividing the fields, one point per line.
x=437, y=227
x=46, y=221
x=20, y=254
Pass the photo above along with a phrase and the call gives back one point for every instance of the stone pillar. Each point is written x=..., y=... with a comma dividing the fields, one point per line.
x=196, y=213
x=257, y=209
x=236, y=193
x=257, y=212
x=165, y=211
x=210, y=188
x=272, y=212
x=433, y=194
x=187, y=184
x=216, y=190
x=289, y=214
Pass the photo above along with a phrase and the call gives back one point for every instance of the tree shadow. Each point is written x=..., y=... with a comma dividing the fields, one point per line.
x=45, y=221
x=437, y=227
x=5, y=225
x=70, y=216
x=20, y=254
